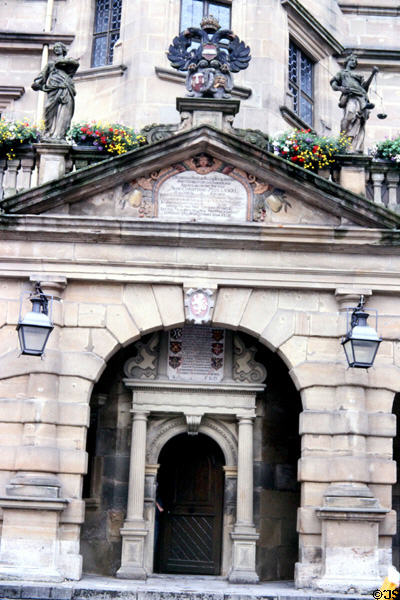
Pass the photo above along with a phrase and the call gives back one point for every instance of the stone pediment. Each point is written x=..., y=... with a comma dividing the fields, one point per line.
x=202, y=175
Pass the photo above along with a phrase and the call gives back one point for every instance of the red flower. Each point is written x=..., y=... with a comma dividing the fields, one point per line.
x=97, y=132
x=284, y=152
x=83, y=129
x=103, y=140
x=295, y=148
x=293, y=158
x=301, y=159
x=111, y=130
x=315, y=148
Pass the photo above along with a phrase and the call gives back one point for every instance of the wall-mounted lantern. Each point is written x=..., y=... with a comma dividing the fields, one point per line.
x=34, y=329
x=361, y=341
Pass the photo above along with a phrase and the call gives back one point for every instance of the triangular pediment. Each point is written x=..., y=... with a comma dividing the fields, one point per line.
x=202, y=175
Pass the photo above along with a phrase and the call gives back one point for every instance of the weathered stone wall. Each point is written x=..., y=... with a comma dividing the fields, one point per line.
x=137, y=96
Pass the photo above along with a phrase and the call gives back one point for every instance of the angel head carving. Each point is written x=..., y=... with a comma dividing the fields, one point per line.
x=209, y=55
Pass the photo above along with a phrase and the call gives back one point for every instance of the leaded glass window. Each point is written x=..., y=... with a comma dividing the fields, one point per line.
x=301, y=83
x=192, y=12
x=107, y=23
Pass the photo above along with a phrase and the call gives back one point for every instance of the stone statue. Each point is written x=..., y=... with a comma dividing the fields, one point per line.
x=354, y=101
x=56, y=81
x=218, y=53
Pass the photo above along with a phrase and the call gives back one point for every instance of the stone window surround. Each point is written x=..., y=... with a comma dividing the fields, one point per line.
x=317, y=43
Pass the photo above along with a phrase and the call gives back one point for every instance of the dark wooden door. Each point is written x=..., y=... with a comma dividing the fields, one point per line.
x=191, y=490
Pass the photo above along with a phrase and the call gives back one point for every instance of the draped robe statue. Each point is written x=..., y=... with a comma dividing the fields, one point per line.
x=56, y=81
x=354, y=101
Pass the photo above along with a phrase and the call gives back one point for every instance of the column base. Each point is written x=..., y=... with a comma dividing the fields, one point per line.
x=132, y=559
x=127, y=572
x=244, y=555
x=237, y=576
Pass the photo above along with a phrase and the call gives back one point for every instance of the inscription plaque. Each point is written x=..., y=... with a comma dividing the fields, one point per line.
x=190, y=196
x=196, y=353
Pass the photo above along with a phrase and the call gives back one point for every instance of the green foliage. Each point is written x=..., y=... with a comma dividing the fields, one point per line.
x=308, y=150
x=113, y=138
x=15, y=133
x=388, y=150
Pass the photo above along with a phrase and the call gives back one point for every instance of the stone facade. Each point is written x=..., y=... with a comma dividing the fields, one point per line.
x=125, y=246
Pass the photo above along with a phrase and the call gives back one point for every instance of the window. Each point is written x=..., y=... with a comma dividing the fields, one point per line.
x=192, y=12
x=107, y=22
x=301, y=83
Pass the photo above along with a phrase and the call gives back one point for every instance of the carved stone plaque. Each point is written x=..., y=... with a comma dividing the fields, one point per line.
x=191, y=196
x=196, y=353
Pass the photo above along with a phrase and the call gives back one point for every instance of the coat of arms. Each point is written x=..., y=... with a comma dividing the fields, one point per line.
x=210, y=64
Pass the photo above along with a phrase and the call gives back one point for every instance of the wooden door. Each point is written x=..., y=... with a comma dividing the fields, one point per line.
x=191, y=491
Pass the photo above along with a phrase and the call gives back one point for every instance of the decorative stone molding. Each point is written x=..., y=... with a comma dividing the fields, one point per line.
x=193, y=424
x=52, y=285
x=160, y=433
x=383, y=8
x=144, y=364
x=8, y=93
x=349, y=297
x=199, y=304
x=31, y=42
x=100, y=72
x=309, y=32
x=245, y=368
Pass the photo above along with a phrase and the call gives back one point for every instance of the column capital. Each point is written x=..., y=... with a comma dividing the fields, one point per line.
x=139, y=415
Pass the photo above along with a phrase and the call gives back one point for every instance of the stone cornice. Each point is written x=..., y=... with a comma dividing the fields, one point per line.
x=193, y=387
x=100, y=72
x=387, y=59
x=303, y=26
x=306, y=186
x=380, y=8
x=27, y=42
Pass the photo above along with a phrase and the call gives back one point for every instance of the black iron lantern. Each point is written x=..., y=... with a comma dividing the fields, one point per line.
x=361, y=341
x=34, y=329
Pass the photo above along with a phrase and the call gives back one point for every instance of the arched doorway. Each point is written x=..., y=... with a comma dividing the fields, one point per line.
x=190, y=490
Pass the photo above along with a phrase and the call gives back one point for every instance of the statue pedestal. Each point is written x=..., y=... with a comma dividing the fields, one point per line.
x=208, y=111
x=52, y=157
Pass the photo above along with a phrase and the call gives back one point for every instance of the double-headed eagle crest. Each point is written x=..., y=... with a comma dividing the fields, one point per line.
x=210, y=55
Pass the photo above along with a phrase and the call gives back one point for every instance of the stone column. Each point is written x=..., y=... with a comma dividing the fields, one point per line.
x=244, y=535
x=134, y=530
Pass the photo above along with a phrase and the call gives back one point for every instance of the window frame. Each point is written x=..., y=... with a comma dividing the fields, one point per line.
x=298, y=86
x=206, y=4
x=108, y=33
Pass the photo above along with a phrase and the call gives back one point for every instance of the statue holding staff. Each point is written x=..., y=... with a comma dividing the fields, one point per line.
x=354, y=101
x=56, y=81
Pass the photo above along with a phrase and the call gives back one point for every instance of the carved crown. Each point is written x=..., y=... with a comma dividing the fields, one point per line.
x=210, y=24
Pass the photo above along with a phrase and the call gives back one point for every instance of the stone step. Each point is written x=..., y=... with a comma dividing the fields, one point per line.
x=161, y=588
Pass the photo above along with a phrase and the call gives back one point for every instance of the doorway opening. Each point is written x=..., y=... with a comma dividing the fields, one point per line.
x=190, y=487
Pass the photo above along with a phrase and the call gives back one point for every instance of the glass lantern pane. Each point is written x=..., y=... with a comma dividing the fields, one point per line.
x=364, y=351
x=222, y=13
x=348, y=348
x=191, y=13
x=34, y=338
x=102, y=16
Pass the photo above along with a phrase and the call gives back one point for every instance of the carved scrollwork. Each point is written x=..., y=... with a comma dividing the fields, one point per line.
x=144, y=364
x=245, y=368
